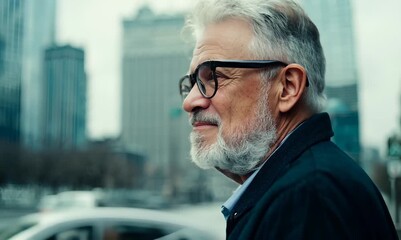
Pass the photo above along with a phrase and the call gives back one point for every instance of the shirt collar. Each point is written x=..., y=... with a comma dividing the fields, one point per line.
x=228, y=206
x=230, y=203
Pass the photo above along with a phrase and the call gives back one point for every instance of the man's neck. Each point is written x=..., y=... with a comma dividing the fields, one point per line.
x=287, y=124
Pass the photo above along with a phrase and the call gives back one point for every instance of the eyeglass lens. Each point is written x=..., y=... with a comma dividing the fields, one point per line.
x=185, y=86
x=205, y=80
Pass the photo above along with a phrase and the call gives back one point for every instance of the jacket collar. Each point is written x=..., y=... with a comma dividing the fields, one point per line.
x=315, y=129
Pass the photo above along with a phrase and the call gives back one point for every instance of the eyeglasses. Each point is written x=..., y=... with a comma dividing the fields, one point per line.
x=206, y=78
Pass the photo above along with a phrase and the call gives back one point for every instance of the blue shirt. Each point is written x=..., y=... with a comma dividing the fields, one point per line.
x=230, y=203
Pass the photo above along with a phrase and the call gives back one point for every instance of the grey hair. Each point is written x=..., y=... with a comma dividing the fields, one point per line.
x=282, y=31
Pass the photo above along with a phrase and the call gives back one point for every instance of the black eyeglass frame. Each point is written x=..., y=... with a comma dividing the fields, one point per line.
x=213, y=64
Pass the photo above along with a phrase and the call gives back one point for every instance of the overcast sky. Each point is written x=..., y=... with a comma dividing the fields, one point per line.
x=96, y=26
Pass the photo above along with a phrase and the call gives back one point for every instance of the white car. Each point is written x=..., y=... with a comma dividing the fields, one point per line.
x=69, y=199
x=102, y=224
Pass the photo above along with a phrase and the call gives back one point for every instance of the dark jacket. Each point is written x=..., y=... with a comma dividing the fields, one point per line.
x=310, y=189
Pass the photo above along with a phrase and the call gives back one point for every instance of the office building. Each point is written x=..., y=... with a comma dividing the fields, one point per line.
x=65, y=86
x=394, y=141
x=11, y=40
x=335, y=23
x=26, y=29
x=154, y=58
x=39, y=34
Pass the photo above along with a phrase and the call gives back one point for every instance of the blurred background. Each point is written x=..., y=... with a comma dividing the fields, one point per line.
x=89, y=101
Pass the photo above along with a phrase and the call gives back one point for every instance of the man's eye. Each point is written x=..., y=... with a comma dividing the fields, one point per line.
x=205, y=74
x=210, y=78
x=221, y=76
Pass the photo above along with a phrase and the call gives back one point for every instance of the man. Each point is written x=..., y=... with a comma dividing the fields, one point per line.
x=258, y=67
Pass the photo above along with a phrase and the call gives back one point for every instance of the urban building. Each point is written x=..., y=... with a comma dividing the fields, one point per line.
x=393, y=167
x=65, y=87
x=345, y=126
x=335, y=23
x=394, y=141
x=11, y=40
x=39, y=34
x=154, y=58
x=26, y=29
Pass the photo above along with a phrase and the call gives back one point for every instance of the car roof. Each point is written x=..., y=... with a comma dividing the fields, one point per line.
x=41, y=221
x=103, y=213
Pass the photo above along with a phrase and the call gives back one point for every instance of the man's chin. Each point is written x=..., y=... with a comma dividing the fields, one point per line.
x=202, y=141
x=203, y=156
x=202, y=163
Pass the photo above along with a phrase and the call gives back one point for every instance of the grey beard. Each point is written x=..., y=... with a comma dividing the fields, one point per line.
x=239, y=160
x=245, y=149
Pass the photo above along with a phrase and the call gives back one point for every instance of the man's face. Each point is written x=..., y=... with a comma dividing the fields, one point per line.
x=234, y=129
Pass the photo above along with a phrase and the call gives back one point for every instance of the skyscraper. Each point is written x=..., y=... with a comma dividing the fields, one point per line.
x=64, y=121
x=335, y=23
x=26, y=29
x=11, y=39
x=39, y=34
x=154, y=58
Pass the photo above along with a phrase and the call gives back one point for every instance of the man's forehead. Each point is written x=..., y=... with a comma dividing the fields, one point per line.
x=227, y=39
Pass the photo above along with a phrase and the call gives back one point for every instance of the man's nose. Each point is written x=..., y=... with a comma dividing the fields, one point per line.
x=195, y=100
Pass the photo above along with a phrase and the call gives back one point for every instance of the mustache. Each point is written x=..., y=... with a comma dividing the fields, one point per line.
x=201, y=116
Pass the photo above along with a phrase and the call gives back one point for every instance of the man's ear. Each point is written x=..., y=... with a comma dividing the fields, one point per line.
x=293, y=85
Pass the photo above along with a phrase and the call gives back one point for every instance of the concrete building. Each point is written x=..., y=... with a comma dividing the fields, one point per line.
x=65, y=86
x=155, y=57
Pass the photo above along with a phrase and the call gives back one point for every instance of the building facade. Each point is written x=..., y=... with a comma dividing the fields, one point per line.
x=26, y=29
x=11, y=40
x=335, y=23
x=39, y=34
x=65, y=87
x=154, y=57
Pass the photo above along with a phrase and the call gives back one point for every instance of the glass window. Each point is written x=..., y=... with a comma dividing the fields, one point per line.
x=81, y=233
x=126, y=232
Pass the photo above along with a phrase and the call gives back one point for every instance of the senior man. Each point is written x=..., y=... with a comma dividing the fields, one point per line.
x=256, y=113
